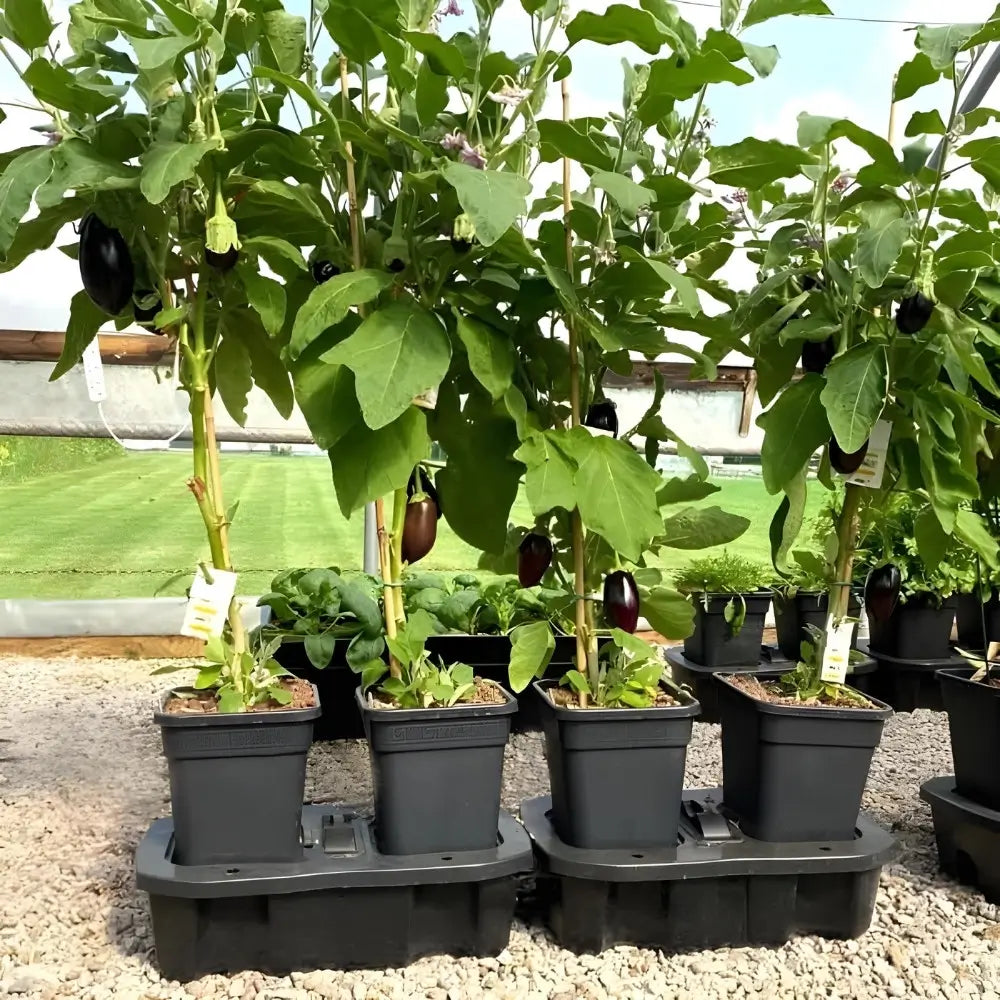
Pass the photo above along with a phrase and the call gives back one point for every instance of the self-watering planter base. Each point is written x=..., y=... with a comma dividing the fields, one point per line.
x=714, y=887
x=968, y=837
x=702, y=680
x=907, y=685
x=344, y=905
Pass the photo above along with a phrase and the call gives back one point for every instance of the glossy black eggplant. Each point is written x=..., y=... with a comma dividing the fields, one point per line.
x=222, y=261
x=421, y=482
x=913, y=313
x=106, y=267
x=534, y=556
x=621, y=600
x=602, y=416
x=419, y=529
x=817, y=355
x=846, y=463
x=882, y=591
x=324, y=270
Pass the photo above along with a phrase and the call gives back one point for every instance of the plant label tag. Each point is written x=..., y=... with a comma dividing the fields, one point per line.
x=208, y=605
x=873, y=467
x=93, y=372
x=837, y=652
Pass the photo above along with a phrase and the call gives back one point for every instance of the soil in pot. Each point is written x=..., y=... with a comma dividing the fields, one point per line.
x=793, y=615
x=920, y=629
x=714, y=642
x=437, y=772
x=237, y=780
x=978, y=620
x=793, y=771
x=973, y=709
x=616, y=774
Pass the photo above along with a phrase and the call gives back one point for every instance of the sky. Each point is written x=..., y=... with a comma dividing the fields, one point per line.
x=826, y=66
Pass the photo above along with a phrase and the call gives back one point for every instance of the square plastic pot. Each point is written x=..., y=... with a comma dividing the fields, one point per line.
x=795, y=773
x=236, y=783
x=793, y=615
x=920, y=629
x=712, y=644
x=978, y=620
x=336, y=683
x=616, y=774
x=974, y=721
x=437, y=774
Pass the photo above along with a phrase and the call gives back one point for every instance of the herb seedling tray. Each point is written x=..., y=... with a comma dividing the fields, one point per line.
x=344, y=905
x=968, y=837
x=907, y=685
x=714, y=887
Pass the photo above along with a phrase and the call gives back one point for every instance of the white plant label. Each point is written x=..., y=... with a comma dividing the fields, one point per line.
x=93, y=372
x=208, y=605
x=873, y=467
x=837, y=652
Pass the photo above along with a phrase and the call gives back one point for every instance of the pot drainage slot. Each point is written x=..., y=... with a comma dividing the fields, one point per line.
x=338, y=836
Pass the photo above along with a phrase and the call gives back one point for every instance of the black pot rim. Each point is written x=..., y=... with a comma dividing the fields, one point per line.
x=747, y=594
x=278, y=716
x=689, y=709
x=963, y=675
x=462, y=709
x=827, y=712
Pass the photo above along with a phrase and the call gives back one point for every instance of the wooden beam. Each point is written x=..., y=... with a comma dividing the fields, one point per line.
x=676, y=375
x=141, y=349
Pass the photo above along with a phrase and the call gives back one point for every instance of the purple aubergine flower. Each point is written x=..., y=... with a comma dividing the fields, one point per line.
x=454, y=141
x=451, y=9
x=473, y=157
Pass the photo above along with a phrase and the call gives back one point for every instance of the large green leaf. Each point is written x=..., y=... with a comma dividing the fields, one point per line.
x=492, y=200
x=29, y=22
x=56, y=85
x=942, y=44
x=330, y=302
x=285, y=35
x=672, y=79
x=669, y=613
x=550, y=480
x=444, y=58
x=266, y=297
x=631, y=197
x=854, y=395
x=85, y=319
x=879, y=248
x=368, y=464
x=532, y=647
x=572, y=139
x=619, y=23
x=616, y=494
x=687, y=291
x=764, y=10
x=233, y=376
x=753, y=162
x=325, y=394
x=39, y=232
x=165, y=164
x=491, y=355
x=17, y=186
x=78, y=166
x=932, y=540
x=971, y=529
x=795, y=427
x=399, y=352
x=158, y=53
x=914, y=75
x=269, y=371
x=701, y=528
x=787, y=521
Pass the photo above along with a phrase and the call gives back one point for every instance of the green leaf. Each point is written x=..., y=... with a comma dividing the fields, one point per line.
x=207, y=677
x=17, y=186
x=369, y=464
x=491, y=355
x=233, y=377
x=492, y=200
x=620, y=23
x=269, y=371
x=932, y=541
x=577, y=681
x=730, y=13
x=879, y=249
x=787, y=521
x=942, y=44
x=572, y=139
x=616, y=494
x=330, y=302
x=230, y=701
x=550, y=480
x=753, y=162
x=687, y=291
x=914, y=75
x=320, y=649
x=85, y=319
x=764, y=10
x=443, y=57
x=285, y=34
x=399, y=352
x=157, y=53
x=276, y=251
x=631, y=197
x=29, y=22
x=674, y=79
x=854, y=395
x=78, y=166
x=763, y=58
x=303, y=90
x=668, y=612
x=795, y=427
x=926, y=123
x=168, y=163
x=325, y=394
x=972, y=530
x=701, y=528
x=266, y=297
x=532, y=647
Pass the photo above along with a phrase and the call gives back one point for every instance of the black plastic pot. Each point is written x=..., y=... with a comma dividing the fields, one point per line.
x=793, y=614
x=713, y=644
x=342, y=906
x=978, y=620
x=908, y=685
x=920, y=629
x=437, y=775
x=336, y=684
x=795, y=773
x=974, y=722
x=616, y=774
x=237, y=783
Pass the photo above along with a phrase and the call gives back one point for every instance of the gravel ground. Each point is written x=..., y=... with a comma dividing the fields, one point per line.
x=80, y=768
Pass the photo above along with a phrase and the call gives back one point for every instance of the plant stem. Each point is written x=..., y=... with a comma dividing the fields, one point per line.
x=847, y=538
x=399, y=501
x=352, y=188
x=689, y=136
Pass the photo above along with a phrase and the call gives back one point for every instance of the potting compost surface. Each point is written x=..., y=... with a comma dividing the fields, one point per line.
x=81, y=779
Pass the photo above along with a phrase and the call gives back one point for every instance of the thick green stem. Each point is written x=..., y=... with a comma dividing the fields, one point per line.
x=399, y=501
x=692, y=127
x=847, y=538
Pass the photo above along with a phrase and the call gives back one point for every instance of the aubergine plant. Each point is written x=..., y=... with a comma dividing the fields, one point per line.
x=163, y=135
x=878, y=280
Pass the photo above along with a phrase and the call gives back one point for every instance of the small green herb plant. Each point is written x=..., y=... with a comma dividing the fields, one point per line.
x=805, y=683
x=724, y=574
x=421, y=683
x=629, y=675
x=320, y=607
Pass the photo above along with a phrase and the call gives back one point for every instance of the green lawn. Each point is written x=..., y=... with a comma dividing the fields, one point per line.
x=122, y=526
